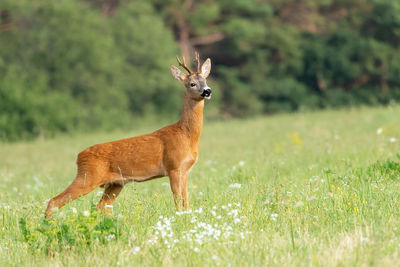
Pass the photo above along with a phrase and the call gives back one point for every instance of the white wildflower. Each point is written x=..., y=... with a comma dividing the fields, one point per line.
x=312, y=166
x=179, y=213
x=111, y=236
x=241, y=163
x=233, y=213
x=274, y=216
x=379, y=131
x=200, y=210
x=86, y=213
x=200, y=231
x=364, y=240
x=392, y=140
x=242, y=235
x=37, y=181
x=74, y=210
x=311, y=198
x=235, y=185
x=196, y=249
x=135, y=250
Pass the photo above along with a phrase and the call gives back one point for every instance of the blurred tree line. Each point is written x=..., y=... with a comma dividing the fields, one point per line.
x=89, y=64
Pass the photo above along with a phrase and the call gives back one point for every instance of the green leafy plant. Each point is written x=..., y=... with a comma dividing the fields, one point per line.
x=71, y=230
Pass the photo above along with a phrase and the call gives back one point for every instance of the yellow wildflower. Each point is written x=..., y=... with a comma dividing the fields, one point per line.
x=296, y=139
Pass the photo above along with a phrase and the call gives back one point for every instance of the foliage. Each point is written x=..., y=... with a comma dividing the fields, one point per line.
x=387, y=168
x=65, y=67
x=78, y=229
x=80, y=65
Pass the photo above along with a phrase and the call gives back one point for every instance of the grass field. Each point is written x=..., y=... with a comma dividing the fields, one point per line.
x=317, y=189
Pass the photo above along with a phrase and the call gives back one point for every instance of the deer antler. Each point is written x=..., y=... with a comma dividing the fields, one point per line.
x=197, y=57
x=184, y=65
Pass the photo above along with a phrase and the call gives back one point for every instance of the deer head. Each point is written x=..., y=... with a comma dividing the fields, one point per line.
x=195, y=81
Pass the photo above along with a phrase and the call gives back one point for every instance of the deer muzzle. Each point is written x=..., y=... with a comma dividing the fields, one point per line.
x=206, y=93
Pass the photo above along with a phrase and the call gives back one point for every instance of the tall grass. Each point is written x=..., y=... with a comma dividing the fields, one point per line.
x=305, y=189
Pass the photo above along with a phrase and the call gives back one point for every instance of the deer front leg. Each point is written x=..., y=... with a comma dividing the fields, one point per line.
x=177, y=182
x=184, y=191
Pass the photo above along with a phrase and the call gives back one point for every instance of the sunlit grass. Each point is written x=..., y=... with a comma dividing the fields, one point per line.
x=304, y=189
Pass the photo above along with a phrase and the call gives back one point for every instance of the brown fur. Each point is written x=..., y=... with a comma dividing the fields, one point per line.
x=171, y=151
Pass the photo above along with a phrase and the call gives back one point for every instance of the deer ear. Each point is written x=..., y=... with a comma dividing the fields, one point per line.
x=177, y=73
x=206, y=68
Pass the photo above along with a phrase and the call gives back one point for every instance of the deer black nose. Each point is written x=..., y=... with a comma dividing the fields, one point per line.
x=206, y=92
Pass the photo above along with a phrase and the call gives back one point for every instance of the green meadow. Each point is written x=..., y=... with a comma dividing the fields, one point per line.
x=318, y=189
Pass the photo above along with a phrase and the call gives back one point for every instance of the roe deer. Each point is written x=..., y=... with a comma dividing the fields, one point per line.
x=172, y=151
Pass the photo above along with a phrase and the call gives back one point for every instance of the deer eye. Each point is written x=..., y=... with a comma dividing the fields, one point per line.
x=192, y=84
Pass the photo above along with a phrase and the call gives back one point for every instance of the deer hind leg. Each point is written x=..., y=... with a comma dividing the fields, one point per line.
x=83, y=184
x=111, y=191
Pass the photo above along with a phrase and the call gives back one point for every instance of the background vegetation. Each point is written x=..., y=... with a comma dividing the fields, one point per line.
x=87, y=64
x=309, y=189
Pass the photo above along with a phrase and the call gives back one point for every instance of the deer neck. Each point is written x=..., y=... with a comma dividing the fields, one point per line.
x=191, y=120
